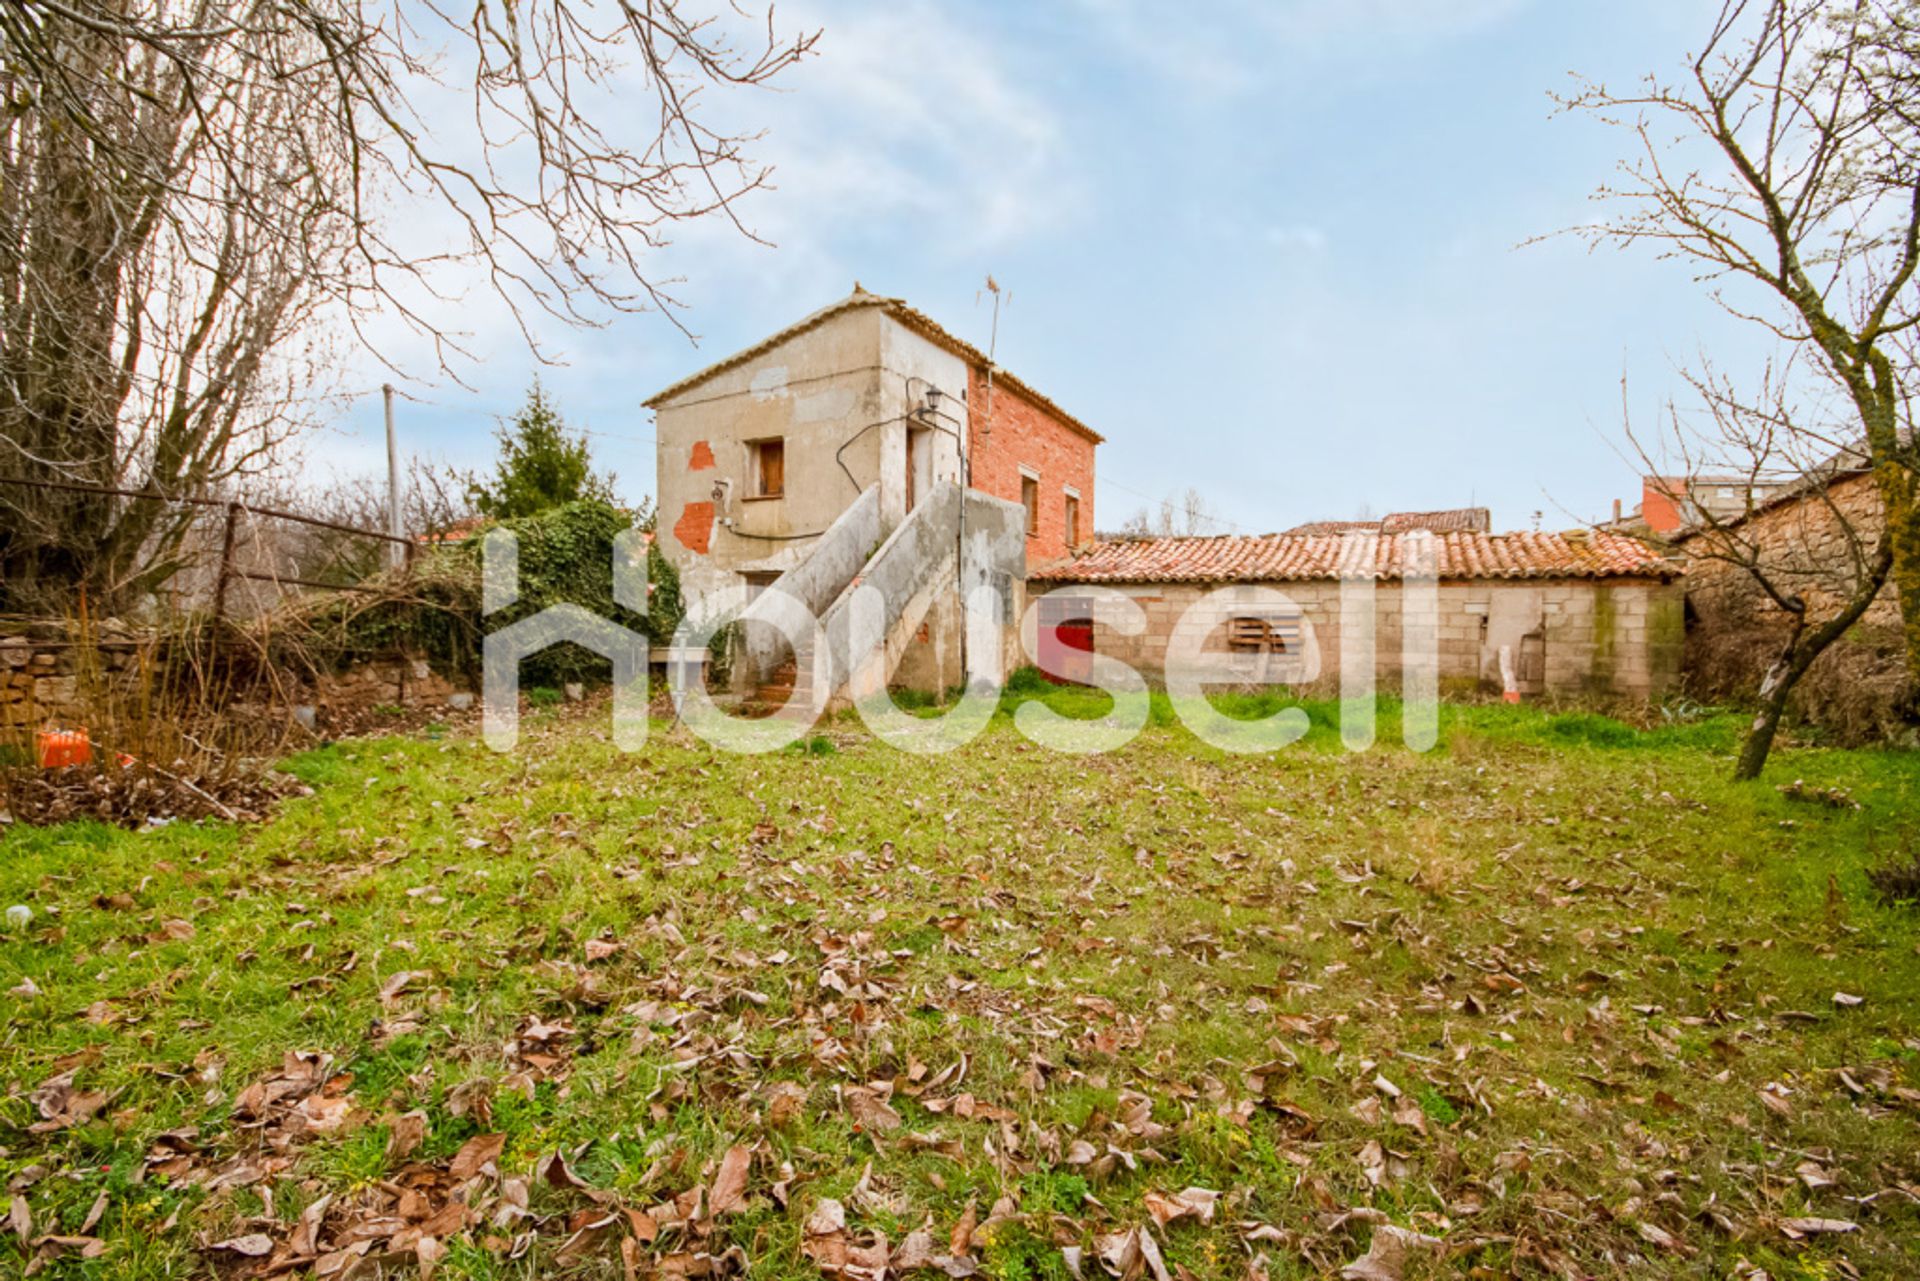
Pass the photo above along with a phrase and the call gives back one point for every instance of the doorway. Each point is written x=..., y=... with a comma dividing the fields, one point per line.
x=919, y=464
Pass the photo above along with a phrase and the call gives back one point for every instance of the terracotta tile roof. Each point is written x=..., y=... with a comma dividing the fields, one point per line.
x=913, y=319
x=1269, y=558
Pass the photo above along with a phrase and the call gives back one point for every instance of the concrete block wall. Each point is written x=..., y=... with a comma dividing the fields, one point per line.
x=1620, y=637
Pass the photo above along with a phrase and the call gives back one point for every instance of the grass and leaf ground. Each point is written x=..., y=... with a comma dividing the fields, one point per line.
x=1554, y=999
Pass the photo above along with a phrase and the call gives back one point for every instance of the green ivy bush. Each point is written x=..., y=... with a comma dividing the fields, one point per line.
x=432, y=610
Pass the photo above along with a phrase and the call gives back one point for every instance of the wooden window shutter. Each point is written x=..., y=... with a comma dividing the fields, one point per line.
x=773, y=467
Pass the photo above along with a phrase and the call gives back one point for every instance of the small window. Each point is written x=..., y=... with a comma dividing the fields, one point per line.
x=1030, y=499
x=1073, y=521
x=769, y=467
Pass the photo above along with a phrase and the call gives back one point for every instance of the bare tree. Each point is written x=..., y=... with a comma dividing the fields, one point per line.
x=1785, y=171
x=1186, y=515
x=190, y=188
x=1801, y=560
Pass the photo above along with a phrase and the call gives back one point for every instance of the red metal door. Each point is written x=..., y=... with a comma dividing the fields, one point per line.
x=1076, y=651
x=1066, y=643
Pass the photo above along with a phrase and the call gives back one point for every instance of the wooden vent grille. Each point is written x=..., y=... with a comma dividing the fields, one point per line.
x=1263, y=635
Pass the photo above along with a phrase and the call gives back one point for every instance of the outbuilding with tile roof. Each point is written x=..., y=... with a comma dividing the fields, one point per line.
x=1579, y=612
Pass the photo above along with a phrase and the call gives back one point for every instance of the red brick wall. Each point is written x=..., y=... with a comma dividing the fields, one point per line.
x=1657, y=507
x=1022, y=433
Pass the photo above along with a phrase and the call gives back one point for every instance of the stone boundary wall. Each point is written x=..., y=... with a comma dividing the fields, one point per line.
x=40, y=672
x=49, y=679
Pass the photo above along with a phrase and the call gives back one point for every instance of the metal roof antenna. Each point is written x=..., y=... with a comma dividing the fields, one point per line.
x=993, y=345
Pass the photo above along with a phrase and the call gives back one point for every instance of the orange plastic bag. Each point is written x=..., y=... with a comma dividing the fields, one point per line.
x=62, y=747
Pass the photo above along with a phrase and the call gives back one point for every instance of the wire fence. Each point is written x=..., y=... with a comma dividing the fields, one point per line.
x=230, y=566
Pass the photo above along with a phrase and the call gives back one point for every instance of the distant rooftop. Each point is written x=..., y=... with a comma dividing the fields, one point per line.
x=1467, y=520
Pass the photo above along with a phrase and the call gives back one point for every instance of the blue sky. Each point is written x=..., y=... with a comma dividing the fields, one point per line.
x=1272, y=252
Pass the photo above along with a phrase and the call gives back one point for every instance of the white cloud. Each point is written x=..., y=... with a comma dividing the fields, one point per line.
x=1297, y=239
x=907, y=113
x=1231, y=45
x=906, y=124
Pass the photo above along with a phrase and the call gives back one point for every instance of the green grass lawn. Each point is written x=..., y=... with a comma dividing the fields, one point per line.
x=1556, y=994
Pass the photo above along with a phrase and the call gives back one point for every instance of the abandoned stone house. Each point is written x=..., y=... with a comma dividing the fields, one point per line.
x=1576, y=612
x=1812, y=540
x=867, y=444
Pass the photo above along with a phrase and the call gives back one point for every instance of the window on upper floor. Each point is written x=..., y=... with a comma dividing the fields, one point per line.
x=1030, y=499
x=1073, y=520
x=769, y=467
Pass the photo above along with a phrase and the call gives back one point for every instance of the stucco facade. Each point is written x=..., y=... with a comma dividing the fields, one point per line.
x=1575, y=612
x=841, y=397
x=758, y=455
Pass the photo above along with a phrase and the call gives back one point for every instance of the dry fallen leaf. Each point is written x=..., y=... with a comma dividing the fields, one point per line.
x=253, y=1245
x=476, y=1155
x=825, y=1238
x=323, y=1114
x=391, y=990
x=1194, y=1203
x=1654, y=1234
x=1387, y=1254
x=786, y=1103
x=729, y=1191
x=871, y=1112
x=406, y=1133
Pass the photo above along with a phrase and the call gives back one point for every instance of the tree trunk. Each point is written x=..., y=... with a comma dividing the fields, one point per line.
x=1774, y=690
x=1896, y=484
x=1803, y=647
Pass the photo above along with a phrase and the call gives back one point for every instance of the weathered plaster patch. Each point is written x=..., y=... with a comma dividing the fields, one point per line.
x=694, y=529
x=702, y=456
x=824, y=406
x=769, y=382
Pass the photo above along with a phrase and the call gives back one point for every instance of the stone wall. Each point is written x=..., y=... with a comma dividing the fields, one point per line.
x=44, y=677
x=1857, y=689
x=1805, y=544
x=51, y=678
x=1609, y=637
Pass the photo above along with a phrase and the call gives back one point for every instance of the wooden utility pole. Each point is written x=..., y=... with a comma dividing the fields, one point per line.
x=396, y=550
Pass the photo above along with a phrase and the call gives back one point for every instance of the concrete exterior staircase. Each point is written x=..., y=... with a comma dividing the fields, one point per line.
x=952, y=542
